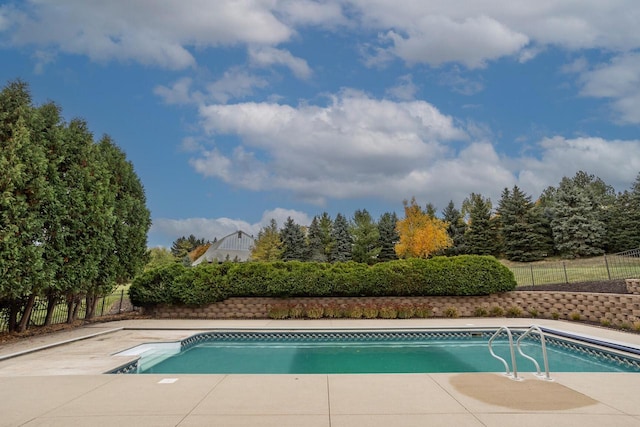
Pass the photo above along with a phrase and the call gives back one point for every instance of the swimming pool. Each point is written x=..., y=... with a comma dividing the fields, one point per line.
x=390, y=351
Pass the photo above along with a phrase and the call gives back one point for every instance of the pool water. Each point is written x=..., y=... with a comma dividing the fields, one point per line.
x=324, y=355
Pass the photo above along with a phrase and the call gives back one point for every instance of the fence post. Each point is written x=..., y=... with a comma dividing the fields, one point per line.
x=121, y=298
x=533, y=280
x=607, y=264
x=564, y=267
x=102, y=309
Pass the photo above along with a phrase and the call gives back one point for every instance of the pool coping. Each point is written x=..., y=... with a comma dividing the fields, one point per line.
x=83, y=397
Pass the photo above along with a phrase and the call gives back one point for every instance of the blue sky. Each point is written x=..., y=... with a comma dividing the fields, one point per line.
x=234, y=113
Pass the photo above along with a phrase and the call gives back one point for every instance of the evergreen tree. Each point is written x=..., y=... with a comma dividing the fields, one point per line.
x=325, y=223
x=268, y=245
x=315, y=250
x=456, y=228
x=341, y=250
x=519, y=225
x=293, y=242
x=624, y=227
x=181, y=247
x=365, y=237
x=388, y=236
x=132, y=221
x=482, y=233
x=578, y=228
x=24, y=191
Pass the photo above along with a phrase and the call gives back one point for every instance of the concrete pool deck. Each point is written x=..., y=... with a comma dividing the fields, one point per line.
x=62, y=383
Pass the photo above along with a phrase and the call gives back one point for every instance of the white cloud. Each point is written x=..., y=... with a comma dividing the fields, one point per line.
x=358, y=147
x=405, y=90
x=158, y=35
x=344, y=149
x=619, y=80
x=179, y=92
x=472, y=41
x=267, y=56
x=236, y=83
x=616, y=162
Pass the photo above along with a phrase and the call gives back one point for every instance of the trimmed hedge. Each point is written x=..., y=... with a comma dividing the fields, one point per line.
x=206, y=284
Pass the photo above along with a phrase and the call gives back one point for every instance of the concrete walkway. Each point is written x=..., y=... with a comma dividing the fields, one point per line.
x=63, y=384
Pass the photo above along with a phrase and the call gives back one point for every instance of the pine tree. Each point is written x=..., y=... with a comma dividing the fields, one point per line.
x=365, y=237
x=325, y=224
x=341, y=250
x=577, y=224
x=315, y=249
x=456, y=228
x=623, y=232
x=388, y=236
x=482, y=233
x=293, y=242
x=519, y=226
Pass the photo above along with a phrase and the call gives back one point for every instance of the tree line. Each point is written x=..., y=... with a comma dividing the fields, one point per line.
x=73, y=215
x=581, y=217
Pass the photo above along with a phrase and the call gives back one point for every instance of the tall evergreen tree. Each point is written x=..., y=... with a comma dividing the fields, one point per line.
x=127, y=256
x=578, y=223
x=341, y=250
x=24, y=191
x=456, y=228
x=293, y=242
x=519, y=226
x=623, y=231
x=388, y=236
x=315, y=250
x=482, y=233
x=365, y=237
x=325, y=223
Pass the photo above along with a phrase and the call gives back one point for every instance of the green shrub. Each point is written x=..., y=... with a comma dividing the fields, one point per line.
x=314, y=311
x=332, y=311
x=278, y=311
x=451, y=312
x=575, y=316
x=533, y=312
x=459, y=275
x=496, y=311
x=406, y=311
x=480, y=312
x=388, y=311
x=353, y=311
x=370, y=311
x=555, y=315
x=514, y=311
x=423, y=311
x=296, y=311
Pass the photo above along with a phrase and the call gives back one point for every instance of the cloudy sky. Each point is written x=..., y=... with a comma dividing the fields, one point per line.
x=238, y=111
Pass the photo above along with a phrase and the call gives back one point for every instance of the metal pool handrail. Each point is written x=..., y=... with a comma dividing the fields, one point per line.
x=537, y=329
x=513, y=354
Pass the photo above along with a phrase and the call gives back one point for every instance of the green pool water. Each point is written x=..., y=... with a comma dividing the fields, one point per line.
x=384, y=356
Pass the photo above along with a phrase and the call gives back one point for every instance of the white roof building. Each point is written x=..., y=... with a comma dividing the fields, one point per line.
x=234, y=247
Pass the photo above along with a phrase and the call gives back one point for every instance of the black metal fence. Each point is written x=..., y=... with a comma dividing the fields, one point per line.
x=623, y=265
x=114, y=303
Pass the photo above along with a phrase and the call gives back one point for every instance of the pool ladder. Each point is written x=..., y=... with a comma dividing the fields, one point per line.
x=514, y=374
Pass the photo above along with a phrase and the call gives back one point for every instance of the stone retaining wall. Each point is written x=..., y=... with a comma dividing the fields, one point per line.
x=615, y=309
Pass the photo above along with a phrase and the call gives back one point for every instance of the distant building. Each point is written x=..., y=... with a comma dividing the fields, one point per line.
x=234, y=247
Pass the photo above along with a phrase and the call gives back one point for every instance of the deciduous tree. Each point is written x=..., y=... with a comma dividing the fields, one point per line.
x=421, y=235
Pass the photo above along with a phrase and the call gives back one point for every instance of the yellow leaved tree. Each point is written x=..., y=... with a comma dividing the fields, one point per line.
x=421, y=234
